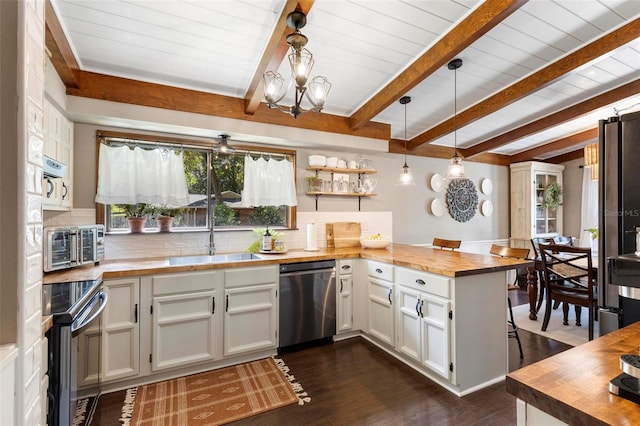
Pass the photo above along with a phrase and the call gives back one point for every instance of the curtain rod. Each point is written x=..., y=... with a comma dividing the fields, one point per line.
x=180, y=146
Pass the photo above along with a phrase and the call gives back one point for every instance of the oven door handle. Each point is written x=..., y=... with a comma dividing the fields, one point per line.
x=82, y=320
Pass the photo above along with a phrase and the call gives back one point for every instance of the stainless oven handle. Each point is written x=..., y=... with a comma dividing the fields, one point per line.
x=73, y=241
x=100, y=297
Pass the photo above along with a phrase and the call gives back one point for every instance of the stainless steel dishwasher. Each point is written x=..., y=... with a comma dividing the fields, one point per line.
x=307, y=301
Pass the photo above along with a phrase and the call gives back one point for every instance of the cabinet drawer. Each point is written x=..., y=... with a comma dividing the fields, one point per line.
x=424, y=281
x=380, y=270
x=185, y=282
x=238, y=277
x=345, y=266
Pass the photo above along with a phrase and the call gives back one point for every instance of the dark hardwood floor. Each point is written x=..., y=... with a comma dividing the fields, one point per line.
x=352, y=382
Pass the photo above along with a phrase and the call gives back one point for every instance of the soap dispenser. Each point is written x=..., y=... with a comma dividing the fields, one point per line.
x=266, y=240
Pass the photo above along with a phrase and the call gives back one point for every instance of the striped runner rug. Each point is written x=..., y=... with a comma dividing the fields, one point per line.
x=214, y=397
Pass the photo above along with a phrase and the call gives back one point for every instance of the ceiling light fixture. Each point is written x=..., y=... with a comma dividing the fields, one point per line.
x=456, y=168
x=223, y=147
x=301, y=61
x=406, y=177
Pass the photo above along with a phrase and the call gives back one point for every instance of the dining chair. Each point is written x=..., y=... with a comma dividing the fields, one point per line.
x=535, y=243
x=562, y=240
x=569, y=278
x=517, y=253
x=446, y=244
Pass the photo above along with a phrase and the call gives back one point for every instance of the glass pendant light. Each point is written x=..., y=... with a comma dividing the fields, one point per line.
x=456, y=168
x=406, y=177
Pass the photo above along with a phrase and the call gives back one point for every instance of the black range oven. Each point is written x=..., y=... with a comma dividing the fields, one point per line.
x=74, y=348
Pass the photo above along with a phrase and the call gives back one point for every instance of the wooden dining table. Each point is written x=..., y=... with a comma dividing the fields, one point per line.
x=532, y=282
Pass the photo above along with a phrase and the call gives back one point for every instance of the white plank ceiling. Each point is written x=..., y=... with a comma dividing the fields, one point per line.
x=361, y=46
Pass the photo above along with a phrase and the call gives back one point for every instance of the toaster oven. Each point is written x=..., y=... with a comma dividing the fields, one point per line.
x=71, y=246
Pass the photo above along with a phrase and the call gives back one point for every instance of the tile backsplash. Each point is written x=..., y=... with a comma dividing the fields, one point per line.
x=128, y=246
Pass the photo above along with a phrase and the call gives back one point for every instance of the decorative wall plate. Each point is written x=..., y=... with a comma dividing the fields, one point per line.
x=486, y=208
x=462, y=199
x=437, y=207
x=437, y=183
x=486, y=186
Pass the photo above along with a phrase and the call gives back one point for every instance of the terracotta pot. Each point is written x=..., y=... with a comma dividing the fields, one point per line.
x=164, y=223
x=136, y=224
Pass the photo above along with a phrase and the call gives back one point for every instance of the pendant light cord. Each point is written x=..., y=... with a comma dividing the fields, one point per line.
x=455, y=112
x=405, y=134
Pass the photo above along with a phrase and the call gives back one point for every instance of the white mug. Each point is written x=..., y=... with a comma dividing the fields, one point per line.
x=353, y=164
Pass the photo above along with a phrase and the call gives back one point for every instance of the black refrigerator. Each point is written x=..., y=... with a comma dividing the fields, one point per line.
x=619, y=221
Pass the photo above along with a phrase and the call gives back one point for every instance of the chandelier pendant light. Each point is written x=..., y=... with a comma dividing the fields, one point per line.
x=406, y=177
x=456, y=168
x=301, y=62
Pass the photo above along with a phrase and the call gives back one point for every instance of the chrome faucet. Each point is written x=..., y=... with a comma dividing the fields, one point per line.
x=212, y=243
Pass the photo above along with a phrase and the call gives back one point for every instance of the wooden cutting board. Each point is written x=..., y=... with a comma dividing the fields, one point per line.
x=343, y=234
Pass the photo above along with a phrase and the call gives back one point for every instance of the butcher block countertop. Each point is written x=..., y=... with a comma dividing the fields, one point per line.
x=573, y=386
x=436, y=261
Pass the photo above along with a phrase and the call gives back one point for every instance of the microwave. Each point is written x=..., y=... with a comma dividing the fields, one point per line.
x=71, y=246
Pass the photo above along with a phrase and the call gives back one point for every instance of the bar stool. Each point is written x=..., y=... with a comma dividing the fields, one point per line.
x=446, y=244
x=517, y=253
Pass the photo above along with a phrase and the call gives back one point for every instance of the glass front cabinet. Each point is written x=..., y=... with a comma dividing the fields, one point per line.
x=530, y=215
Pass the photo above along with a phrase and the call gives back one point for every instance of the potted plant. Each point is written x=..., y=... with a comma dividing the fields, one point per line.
x=164, y=216
x=594, y=239
x=136, y=215
x=552, y=196
x=314, y=183
x=276, y=238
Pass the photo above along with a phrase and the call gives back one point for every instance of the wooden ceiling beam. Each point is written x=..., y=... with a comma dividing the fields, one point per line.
x=117, y=89
x=62, y=56
x=569, y=156
x=566, y=142
x=396, y=146
x=532, y=83
x=557, y=118
x=274, y=53
x=489, y=14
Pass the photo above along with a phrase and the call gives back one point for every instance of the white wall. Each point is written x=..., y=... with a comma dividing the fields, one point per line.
x=413, y=221
x=410, y=207
x=572, y=198
x=23, y=81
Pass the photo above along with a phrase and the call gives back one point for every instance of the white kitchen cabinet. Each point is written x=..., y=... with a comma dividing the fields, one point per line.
x=529, y=218
x=380, y=301
x=251, y=309
x=186, y=319
x=423, y=323
x=121, y=329
x=57, y=193
x=344, y=302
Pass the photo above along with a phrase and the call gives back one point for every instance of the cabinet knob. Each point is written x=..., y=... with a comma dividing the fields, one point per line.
x=378, y=270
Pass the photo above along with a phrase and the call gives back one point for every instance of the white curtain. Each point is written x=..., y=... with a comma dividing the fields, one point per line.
x=155, y=176
x=589, y=210
x=268, y=183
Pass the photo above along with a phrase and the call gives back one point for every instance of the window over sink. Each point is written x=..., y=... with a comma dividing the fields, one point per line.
x=220, y=190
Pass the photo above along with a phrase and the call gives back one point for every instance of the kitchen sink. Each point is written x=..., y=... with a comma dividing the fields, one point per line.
x=216, y=258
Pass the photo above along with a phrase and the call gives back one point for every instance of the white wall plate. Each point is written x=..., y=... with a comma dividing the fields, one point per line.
x=486, y=208
x=437, y=207
x=486, y=186
x=437, y=183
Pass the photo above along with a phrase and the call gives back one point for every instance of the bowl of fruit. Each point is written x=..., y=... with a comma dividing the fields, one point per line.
x=375, y=241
